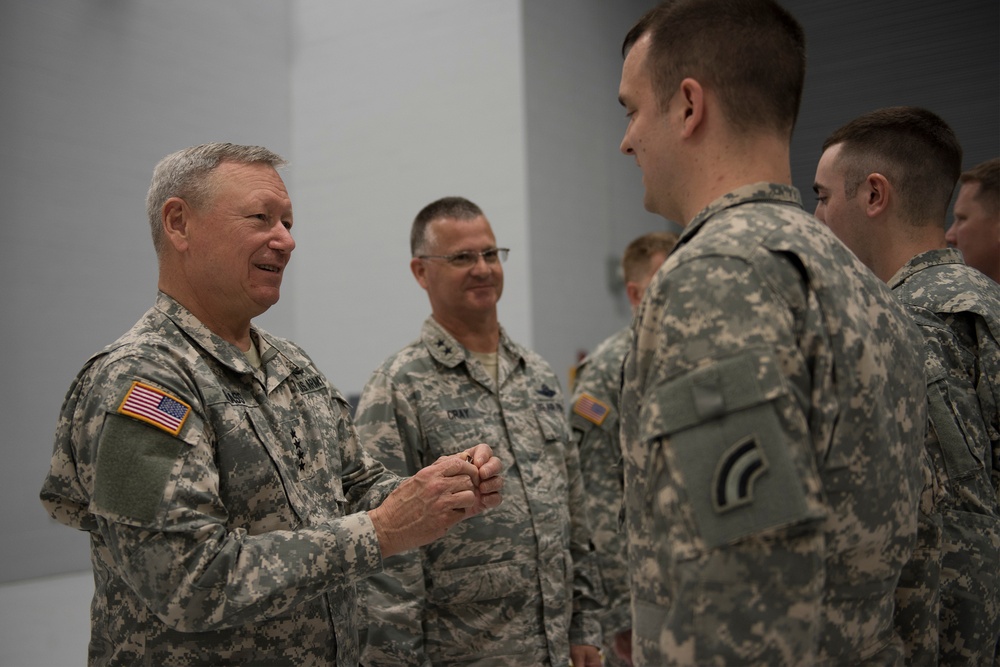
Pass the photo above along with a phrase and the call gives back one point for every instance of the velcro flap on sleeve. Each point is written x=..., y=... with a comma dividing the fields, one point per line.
x=726, y=386
x=725, y=445
x=134, y=464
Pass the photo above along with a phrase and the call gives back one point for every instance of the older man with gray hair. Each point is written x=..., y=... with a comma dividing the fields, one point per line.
x=230, y=506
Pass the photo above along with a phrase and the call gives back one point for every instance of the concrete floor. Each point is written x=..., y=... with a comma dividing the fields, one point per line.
x=46, y=622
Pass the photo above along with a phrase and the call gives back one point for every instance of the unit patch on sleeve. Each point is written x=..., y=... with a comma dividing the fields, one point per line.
x=591, y=409
x=155, y=407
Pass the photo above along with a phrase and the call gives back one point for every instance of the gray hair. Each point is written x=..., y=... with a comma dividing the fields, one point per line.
x=185, y=174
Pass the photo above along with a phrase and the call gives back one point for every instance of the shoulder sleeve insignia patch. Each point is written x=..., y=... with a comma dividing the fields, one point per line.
x=591, y=409
x=155, y=407
x=735, y=474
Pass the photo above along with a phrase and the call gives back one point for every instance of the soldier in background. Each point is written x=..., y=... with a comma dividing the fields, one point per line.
x=230, y=507
x=883, y=184
x=976, y=228
x=594, y=419
x=516, y=586
x=773, y=404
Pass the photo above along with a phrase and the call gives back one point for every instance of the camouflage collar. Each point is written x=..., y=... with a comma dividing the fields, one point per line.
x=223, y=351
x=446, y=349
x=755, y=192
x=937, y=257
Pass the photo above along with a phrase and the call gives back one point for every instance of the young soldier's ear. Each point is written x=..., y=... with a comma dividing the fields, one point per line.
x=878, y=194
x=693, y=101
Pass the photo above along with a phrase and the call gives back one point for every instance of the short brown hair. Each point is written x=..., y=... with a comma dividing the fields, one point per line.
x=638, y=253
x=752, y=53
x=987, y=174
x=459, y=208
x=912, y=147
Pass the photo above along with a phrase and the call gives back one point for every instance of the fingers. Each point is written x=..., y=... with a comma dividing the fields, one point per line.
x=490, y=500
x=480, y=454
x=458, y=464
x=490, y=468
x=491, y=485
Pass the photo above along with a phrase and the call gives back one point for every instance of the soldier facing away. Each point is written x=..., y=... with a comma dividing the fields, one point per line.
x=773, y=405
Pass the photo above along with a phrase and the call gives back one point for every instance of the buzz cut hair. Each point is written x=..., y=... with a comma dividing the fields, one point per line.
x=912, y=147
x=987, y=174
x=751, y=53
x=458, y=208
x=639, y=253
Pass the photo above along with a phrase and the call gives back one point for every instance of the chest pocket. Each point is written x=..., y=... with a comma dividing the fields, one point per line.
x=721, y=459
x=274, y=462
x=454, y=425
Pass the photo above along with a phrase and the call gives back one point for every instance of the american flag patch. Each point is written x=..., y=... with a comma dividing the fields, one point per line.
x=591, y=409
x=155, y=407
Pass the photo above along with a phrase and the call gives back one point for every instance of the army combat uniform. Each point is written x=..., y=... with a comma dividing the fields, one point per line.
x=773, y=413
x=593, y=417
x=958, y=311
x=219, y=499
x=510, y=586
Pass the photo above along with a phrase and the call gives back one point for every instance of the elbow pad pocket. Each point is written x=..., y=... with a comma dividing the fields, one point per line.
x=726, y=451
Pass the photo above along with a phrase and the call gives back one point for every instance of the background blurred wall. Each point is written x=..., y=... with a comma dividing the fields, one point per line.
x=381, y=106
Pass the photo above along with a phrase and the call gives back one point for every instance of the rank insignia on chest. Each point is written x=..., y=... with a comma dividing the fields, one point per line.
x=547, y=391
x=155, y=407
x=591, y=409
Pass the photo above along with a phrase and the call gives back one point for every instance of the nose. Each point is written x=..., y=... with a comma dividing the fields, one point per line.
x=482, y=267
x=625, y=147
x=282, y=240
x=949, y=236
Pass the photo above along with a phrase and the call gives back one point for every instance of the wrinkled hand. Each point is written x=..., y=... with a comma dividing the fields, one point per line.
x=488, y=482
x=423, y=507
x=583, y=655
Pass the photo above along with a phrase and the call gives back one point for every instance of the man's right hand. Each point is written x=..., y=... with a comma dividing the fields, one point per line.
x=423, y=507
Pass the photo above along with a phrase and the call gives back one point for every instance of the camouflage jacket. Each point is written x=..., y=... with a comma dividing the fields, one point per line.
x=773, y=419
x=223, y=503
x=593, y=417
x=958, y=311
x=511, y=586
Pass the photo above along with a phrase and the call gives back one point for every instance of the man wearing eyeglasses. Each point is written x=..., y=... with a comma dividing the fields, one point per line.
x=515, y=586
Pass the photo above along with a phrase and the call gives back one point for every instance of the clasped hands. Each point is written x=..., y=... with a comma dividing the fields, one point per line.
x=423, y=507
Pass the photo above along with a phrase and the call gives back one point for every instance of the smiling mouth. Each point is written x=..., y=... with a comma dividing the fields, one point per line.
x=269, y=267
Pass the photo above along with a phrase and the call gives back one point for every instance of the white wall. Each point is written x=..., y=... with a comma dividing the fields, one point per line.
x=94, y=94
x=382, y=106
x=396, y=104
x=585, y=197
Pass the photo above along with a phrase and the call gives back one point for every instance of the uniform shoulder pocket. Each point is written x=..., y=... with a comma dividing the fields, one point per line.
x=726, y=448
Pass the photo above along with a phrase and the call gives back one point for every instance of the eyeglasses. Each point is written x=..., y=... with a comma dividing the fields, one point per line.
x=468, y=258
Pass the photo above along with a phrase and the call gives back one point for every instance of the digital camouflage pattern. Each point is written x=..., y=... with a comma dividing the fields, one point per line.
x=958, y=311
x=773, y=418
x=515, y=585
x=235, y=541
x=593, y=416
